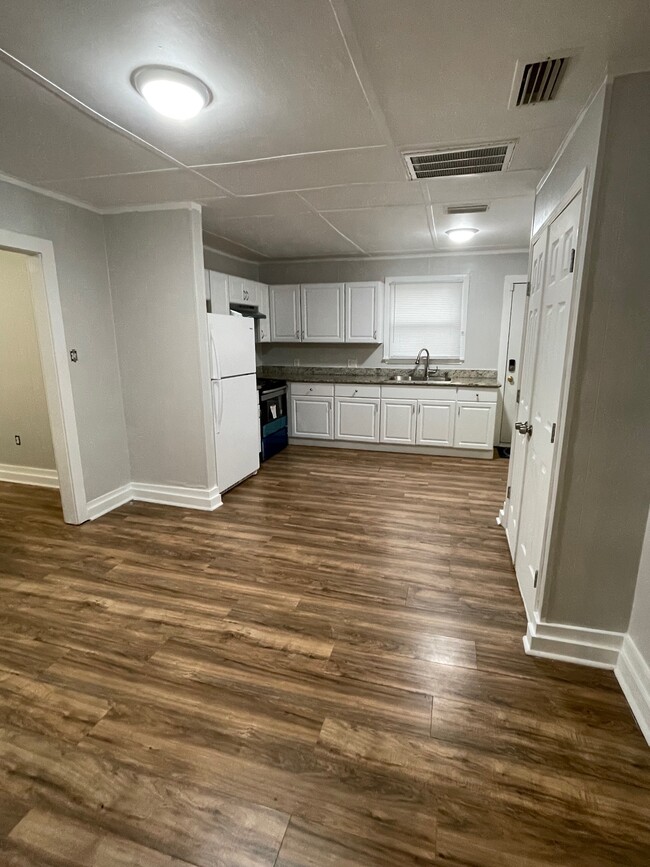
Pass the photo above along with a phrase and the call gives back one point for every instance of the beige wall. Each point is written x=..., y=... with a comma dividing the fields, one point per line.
x=23, y=406
x=602, y=505
x=155, y=264
x=486, y=272
x=78, y=240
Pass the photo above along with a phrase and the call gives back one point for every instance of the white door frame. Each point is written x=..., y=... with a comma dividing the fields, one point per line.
x=578, y=188
x=53, y=351
x=508, y=289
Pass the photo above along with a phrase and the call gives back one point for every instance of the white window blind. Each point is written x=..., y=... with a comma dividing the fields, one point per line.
x=427, y=313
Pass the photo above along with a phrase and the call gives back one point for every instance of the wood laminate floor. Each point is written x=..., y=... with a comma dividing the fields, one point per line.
x=326, y=671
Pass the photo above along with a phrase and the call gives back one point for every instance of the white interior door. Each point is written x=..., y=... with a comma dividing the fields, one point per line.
x=548, y=377
x=527, y=366
x=511, y=374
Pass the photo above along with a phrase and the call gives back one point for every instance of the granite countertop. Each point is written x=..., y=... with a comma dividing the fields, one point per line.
x=375, y=376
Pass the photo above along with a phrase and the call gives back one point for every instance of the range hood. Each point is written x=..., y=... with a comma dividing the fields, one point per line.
x=250, y=310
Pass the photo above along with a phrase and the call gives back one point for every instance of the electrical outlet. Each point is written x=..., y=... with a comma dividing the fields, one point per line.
x=17, y=440
x=296, y=362
x=352, y=362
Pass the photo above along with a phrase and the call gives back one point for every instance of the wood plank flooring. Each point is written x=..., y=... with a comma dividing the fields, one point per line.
x=326, y=671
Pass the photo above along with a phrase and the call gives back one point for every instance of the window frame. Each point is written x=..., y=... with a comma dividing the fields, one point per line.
x=389, y=304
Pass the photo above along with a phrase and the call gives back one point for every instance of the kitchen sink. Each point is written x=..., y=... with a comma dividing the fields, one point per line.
x=432, y=380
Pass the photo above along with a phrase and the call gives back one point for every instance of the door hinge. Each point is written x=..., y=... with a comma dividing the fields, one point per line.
x=573, y=261
x=528, y=289
x=553, y=429
x=518, y=393
x=508, y=492
x=536, y=577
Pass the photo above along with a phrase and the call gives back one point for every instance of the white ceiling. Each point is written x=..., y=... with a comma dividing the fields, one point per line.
x=299, y=154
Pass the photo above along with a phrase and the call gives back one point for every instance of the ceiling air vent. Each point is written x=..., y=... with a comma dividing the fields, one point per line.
x=466, y=209
x=537, y=82
x=447, y=163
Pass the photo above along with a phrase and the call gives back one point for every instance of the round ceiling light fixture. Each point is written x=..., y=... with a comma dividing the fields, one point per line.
x=171, y=92
x=460, y=236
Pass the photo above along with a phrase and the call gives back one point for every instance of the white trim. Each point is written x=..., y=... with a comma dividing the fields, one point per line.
x=37, y=476
x=50, y=194
x=107, y=502
x=165, y=206
x=229, y=255
x=468, y=253
x=434, y=451
x=633, y=675
x=578, y=644
x=509, y=283
x=206, y=499
x=53, y=350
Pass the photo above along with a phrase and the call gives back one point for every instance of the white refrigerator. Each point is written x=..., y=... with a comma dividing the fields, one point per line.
x=234, y=398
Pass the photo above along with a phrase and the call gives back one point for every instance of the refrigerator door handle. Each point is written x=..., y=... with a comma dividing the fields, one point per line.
x=218, y=406
x=216, y=373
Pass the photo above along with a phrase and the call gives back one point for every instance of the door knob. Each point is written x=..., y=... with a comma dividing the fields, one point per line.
x=524, y=428
x=511, y=379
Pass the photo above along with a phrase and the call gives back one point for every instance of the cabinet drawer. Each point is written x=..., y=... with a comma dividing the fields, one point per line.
x=347, y=390
x=480, y=395
x=312, y=389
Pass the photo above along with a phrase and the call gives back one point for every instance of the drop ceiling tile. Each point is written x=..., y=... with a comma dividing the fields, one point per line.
x=279, y=71
x=283, y=237
x=365, y=195
x=275, y=204
x=44, y=137
x=308, y=171
x=385, y=230
x=506, y=224
x=480, y=188
x=170, y=185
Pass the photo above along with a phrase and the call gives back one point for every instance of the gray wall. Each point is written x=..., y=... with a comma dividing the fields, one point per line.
x=487, y=273
x=640, y=620
x=152, y=259
x=78, y=241
x=216, y=261
x=602, y=504
x=23, y=405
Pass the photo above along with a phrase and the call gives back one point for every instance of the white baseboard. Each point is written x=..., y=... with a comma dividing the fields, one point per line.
x=165, y=495
x=107, y=502
x=29, y=476
x=633, y=674
x=578, y=644
x=434, y=451
x=206, y=499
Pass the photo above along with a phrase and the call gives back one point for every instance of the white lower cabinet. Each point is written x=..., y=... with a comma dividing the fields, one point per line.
x=474, y=428
x=398, y=421
x=435, y=423
x=312, y=411
x=356, y=418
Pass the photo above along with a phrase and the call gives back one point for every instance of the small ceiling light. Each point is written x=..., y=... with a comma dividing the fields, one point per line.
x=171, y=92
x=460, y=236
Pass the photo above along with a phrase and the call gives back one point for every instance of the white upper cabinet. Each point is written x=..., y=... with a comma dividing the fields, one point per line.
x=284, y=309
x=217, y=287
x=362, y=312
x=323, y=312
x=263, y=332
x=236, y=287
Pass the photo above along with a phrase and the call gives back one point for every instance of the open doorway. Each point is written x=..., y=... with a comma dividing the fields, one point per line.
x=513, y=316
x=38, y=428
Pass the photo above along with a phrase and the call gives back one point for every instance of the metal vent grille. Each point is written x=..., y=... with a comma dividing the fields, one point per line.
x=469, y=161
x=466, y=209
x=539, y=81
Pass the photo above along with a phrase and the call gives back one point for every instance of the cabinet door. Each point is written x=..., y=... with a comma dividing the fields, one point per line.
x=474, y=427
x=362, y=306
x=219, y=298
x=263, y=330
x=356, y=418
x=311, y=417
x=435, y=426
x=284, y=308
x=323, y=313
x=398, y=421
x=249, y=292
x=236, y=287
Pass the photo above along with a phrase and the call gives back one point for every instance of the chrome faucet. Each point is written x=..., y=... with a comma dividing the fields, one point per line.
x=426, y=364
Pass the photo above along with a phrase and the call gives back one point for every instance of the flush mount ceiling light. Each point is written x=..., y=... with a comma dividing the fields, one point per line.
x=171, y=92
x=460, y=236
